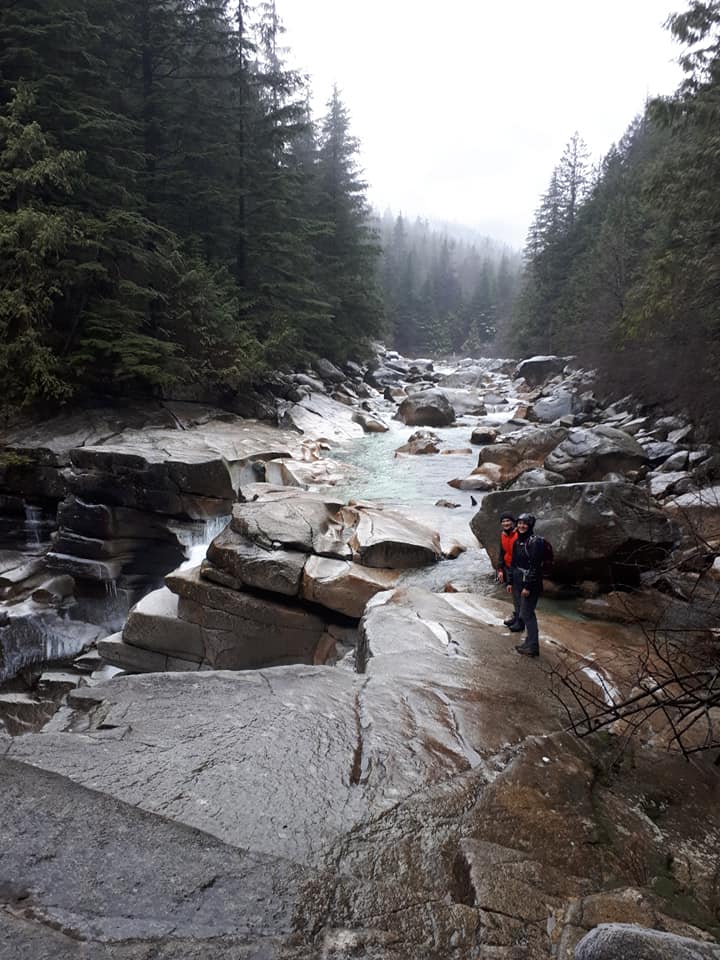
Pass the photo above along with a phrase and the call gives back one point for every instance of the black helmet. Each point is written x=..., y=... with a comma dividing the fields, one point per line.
x=528, y=518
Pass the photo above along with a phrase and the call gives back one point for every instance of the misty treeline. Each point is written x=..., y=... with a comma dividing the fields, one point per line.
x=169, y=212
x=623, y=262
x=444, y=293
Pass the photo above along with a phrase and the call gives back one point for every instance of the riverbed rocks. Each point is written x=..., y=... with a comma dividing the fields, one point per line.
x=321, y=418
x=525, y=449
x=430, y=766
x=344, y=586
x=609, y=531
x=369, y=422
x=536, y=370
x=561, y=403
x=130, y=492
x=465, y=402
x=608, y=941
x=420, y=442
x=591, y=454
x=256, y=565
x=429, y=806
x=698, y=511
x=272, y=583
x=426, y=408
x=32, y=633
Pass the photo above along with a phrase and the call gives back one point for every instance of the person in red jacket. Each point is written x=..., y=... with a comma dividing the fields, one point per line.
x=508, y=536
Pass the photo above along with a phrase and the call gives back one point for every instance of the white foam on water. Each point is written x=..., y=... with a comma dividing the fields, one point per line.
x=33, y=523
x=196, y=540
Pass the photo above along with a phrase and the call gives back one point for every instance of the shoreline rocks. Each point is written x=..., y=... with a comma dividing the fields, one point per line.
x=609, y=531
x=272, y=584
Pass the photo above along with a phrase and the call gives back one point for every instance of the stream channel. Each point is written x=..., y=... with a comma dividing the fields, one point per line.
x=413, y=484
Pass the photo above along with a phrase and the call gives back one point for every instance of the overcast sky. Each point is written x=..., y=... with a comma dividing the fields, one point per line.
x=463, y=107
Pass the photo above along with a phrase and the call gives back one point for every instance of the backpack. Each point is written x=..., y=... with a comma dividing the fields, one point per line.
x=548, y=556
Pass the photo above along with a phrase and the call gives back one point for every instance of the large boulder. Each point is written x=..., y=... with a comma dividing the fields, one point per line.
x=615, y=941
x=561, y=403
x=305, y=524
x=239, y=630
x=427, y=408
x=382, y=538
x=610, y=532
x=592, y=454
x=385, y=375
x=465, y=402
x=536, y=370
x=472, y=375
x=537, y=477
x=328, y=371
x=271, y=584
x=525, y=449
x=321, y=417
x=698, y=511
x=369, y=422
x=153, y=624
x=252, y=565
x=483, y=434
x=344, y=586
x=308, y=474
x=420, y=442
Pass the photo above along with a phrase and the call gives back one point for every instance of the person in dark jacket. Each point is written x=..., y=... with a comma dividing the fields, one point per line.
x=508, y=536
x=527, y=560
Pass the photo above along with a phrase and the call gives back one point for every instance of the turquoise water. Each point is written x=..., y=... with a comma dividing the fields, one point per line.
x=412, y=484
x=404, y=480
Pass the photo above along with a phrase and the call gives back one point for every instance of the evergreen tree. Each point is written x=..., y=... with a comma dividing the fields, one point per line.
x=37, y=233
x=347, y=246
x=573, y=180
x=630, y=277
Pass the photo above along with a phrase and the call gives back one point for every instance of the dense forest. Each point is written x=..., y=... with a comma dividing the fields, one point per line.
x=444, y=293
x=623, y=262
x=171, y=214
x=169, y=211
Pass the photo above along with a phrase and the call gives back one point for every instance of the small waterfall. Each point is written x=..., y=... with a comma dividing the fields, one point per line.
x=33, y=524
x=213, y=527
x=198, y=539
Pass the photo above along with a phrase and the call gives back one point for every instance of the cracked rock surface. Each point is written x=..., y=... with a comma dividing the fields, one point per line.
x=93, y=869
x=430, y=806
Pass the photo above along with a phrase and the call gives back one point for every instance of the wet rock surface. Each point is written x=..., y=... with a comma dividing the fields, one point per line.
x=430, y=805
x=158, y=879
x=427, y=408
x=591, y=454
x=606, y=531
x=422, y=807
x=612, y=940
x=518, y=452
x=271, y=583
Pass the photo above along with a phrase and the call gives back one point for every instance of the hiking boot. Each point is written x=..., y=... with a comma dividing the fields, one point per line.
x=517, y=627
x=510, y=621
x=527, y=651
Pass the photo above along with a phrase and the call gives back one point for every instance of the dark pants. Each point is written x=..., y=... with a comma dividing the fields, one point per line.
x=527, y=615
x=508, y=581
x=516, y=603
